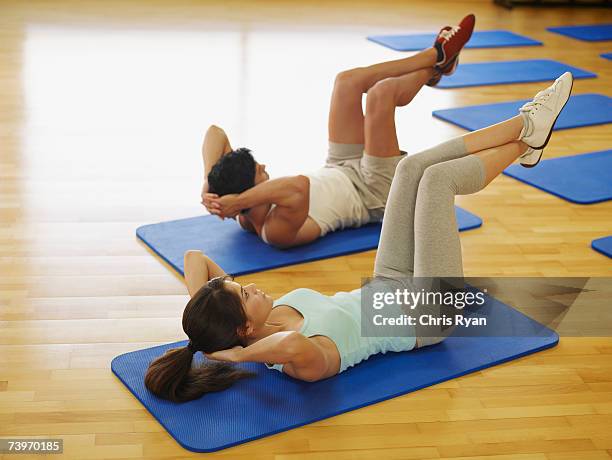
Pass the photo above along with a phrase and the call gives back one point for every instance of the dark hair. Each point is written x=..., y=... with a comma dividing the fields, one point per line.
x=233, y=173
x=211, y=320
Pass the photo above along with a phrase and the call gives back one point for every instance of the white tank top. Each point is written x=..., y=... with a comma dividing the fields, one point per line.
x=334, y=201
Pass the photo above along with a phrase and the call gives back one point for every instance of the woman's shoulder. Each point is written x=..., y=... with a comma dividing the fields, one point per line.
x=297, y=294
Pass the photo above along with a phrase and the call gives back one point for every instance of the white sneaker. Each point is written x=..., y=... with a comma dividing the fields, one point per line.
x=531, y=157
x=540, y=114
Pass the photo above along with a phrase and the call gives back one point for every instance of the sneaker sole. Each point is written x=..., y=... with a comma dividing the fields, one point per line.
x=554, y=122
x=535, y=164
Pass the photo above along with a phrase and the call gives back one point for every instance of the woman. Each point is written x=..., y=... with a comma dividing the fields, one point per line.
x=310, y=336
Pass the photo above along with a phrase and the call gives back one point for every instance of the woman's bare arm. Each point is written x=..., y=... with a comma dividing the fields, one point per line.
x=199, y=268
x=302, y=357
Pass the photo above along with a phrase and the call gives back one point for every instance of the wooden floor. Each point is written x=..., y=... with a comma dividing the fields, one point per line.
x=103, y=106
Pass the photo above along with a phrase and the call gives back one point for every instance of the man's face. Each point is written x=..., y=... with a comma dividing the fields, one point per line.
x=260, y=173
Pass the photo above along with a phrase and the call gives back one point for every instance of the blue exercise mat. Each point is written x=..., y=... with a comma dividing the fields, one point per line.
x=592, y=33
x=506, y=72
x=582, y=179
x=239, y=252
x=581, y=110
x=603, y=245
x=273, y=402
x=479, y=39
x=607, y=56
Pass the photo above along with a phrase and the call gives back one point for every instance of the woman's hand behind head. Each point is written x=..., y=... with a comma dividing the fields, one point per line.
x=231, y=355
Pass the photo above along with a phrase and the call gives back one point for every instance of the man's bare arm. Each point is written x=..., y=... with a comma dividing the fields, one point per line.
x=281, y=192
x=215, y=145
x=284, y=191
x=282, y=224
x=246, y=224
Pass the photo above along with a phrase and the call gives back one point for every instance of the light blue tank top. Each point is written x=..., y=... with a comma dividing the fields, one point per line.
x=339, y=318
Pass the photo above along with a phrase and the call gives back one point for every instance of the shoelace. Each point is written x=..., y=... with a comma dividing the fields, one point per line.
x=448, y=34
x=538, y=101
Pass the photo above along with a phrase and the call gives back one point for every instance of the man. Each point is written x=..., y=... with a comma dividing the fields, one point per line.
x=352, y=188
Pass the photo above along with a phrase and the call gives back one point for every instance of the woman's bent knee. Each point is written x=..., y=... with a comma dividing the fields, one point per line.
x=410, y=168
x=437, y=177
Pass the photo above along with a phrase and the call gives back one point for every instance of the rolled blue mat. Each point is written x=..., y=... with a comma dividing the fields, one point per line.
x=239, y=252
x=581, y=179
x=581, y=110
x=479, y=39
x=273, y=402
x=507, y=72
x=589, y=33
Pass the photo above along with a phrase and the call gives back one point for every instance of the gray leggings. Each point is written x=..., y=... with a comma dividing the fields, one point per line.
x=419, y=235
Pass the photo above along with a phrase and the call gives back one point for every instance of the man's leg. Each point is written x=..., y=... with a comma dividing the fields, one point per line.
x=383, y=98
x=346, y=116
x=346, y=120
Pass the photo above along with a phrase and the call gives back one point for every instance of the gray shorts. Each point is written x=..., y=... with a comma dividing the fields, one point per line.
x=370, y=175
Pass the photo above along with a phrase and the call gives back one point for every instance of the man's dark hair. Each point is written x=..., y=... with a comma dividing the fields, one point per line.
x=233, y=173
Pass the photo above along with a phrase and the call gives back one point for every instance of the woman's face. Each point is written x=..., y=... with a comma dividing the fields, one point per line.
x=256, y=303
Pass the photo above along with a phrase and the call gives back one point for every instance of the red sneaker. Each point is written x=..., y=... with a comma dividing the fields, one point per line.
x=451, y=40
x=449, y=69
x=435, y=79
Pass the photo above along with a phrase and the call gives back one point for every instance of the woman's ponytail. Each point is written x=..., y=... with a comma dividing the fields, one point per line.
x=172, y=377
